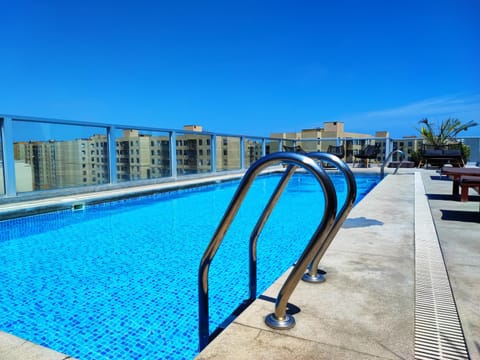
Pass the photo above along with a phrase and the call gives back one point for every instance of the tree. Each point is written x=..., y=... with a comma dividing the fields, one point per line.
x=444, y=134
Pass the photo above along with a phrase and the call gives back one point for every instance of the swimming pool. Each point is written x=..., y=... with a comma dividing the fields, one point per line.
x=118, y=280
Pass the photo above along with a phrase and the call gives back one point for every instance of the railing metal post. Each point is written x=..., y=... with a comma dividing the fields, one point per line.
x=9, y=175
x=387, y=148
x=264, y=147
x=213, y=152
x=112, y=154
x=173, y=154
x=242, y=152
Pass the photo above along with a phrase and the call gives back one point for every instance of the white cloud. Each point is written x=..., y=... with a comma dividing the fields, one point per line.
x=404, y=119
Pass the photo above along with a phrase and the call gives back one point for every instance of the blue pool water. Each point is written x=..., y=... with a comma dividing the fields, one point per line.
x=119, y=280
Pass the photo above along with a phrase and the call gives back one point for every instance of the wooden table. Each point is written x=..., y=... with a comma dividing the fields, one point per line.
x=456, y=173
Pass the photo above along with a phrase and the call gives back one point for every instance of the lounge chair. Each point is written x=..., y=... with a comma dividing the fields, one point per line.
x=297, y=149
x=441, y=155
x=338, y=151
x=369, y=152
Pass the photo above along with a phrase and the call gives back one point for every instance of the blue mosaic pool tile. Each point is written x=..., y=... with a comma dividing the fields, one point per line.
x=118, y=280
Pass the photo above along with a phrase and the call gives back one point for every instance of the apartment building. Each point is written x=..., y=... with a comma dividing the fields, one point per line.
x=332, y=133
x=193, y=151
x=408, y=145
x=58, y=164
x=227, y=153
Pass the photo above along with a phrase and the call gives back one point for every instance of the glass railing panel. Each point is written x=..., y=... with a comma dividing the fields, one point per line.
x=253, y=151
x=2, y=169
x=272, y=146
x=309, y=145
x=142, y=155
x=287, y=144
x=228, y=153
x=353, y=146
x=193, y=153
x=382, y=143
x=54, y=156
x=410, y=147
x=473, y=150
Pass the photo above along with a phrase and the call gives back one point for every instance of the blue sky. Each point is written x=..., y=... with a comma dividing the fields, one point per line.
x=243, y=67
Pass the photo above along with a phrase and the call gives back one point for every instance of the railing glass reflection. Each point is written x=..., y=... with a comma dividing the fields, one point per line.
x=39, y=154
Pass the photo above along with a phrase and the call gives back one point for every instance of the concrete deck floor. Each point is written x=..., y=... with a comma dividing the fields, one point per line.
x=366, y=308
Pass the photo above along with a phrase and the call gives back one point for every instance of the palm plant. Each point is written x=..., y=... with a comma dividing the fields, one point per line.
x=445, y=133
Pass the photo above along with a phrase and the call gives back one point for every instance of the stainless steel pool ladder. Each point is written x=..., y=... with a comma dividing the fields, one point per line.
x=314, y=275
x=315, y=248
x=402, y=154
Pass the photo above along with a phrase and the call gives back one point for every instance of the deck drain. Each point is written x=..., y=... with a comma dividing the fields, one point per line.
x=438, y=332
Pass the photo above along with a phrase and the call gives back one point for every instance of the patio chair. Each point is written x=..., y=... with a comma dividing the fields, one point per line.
x=338, y=151
x=369, y=152
x=297, y=149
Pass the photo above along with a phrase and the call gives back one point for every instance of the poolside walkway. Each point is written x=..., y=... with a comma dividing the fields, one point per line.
x=366, y=308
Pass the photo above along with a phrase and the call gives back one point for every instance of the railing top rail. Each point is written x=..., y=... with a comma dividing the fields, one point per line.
x=125, y=127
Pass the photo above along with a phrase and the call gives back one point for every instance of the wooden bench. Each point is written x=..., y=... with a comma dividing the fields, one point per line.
x=456, y=174
x=466, y=182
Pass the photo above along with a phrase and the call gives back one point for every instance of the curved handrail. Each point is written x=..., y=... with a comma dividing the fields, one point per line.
x=259, y=227
x=280, y=317
x=382, y=170
x=313, y=275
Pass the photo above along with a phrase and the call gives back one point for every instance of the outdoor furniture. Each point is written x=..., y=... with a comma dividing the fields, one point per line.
x=466, y=182
x=456, y=174
x=369, y=152
x=297, y=149
x=441, y=155
x=338, y=151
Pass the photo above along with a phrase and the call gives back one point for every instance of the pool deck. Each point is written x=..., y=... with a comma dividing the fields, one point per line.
x=377, y=267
